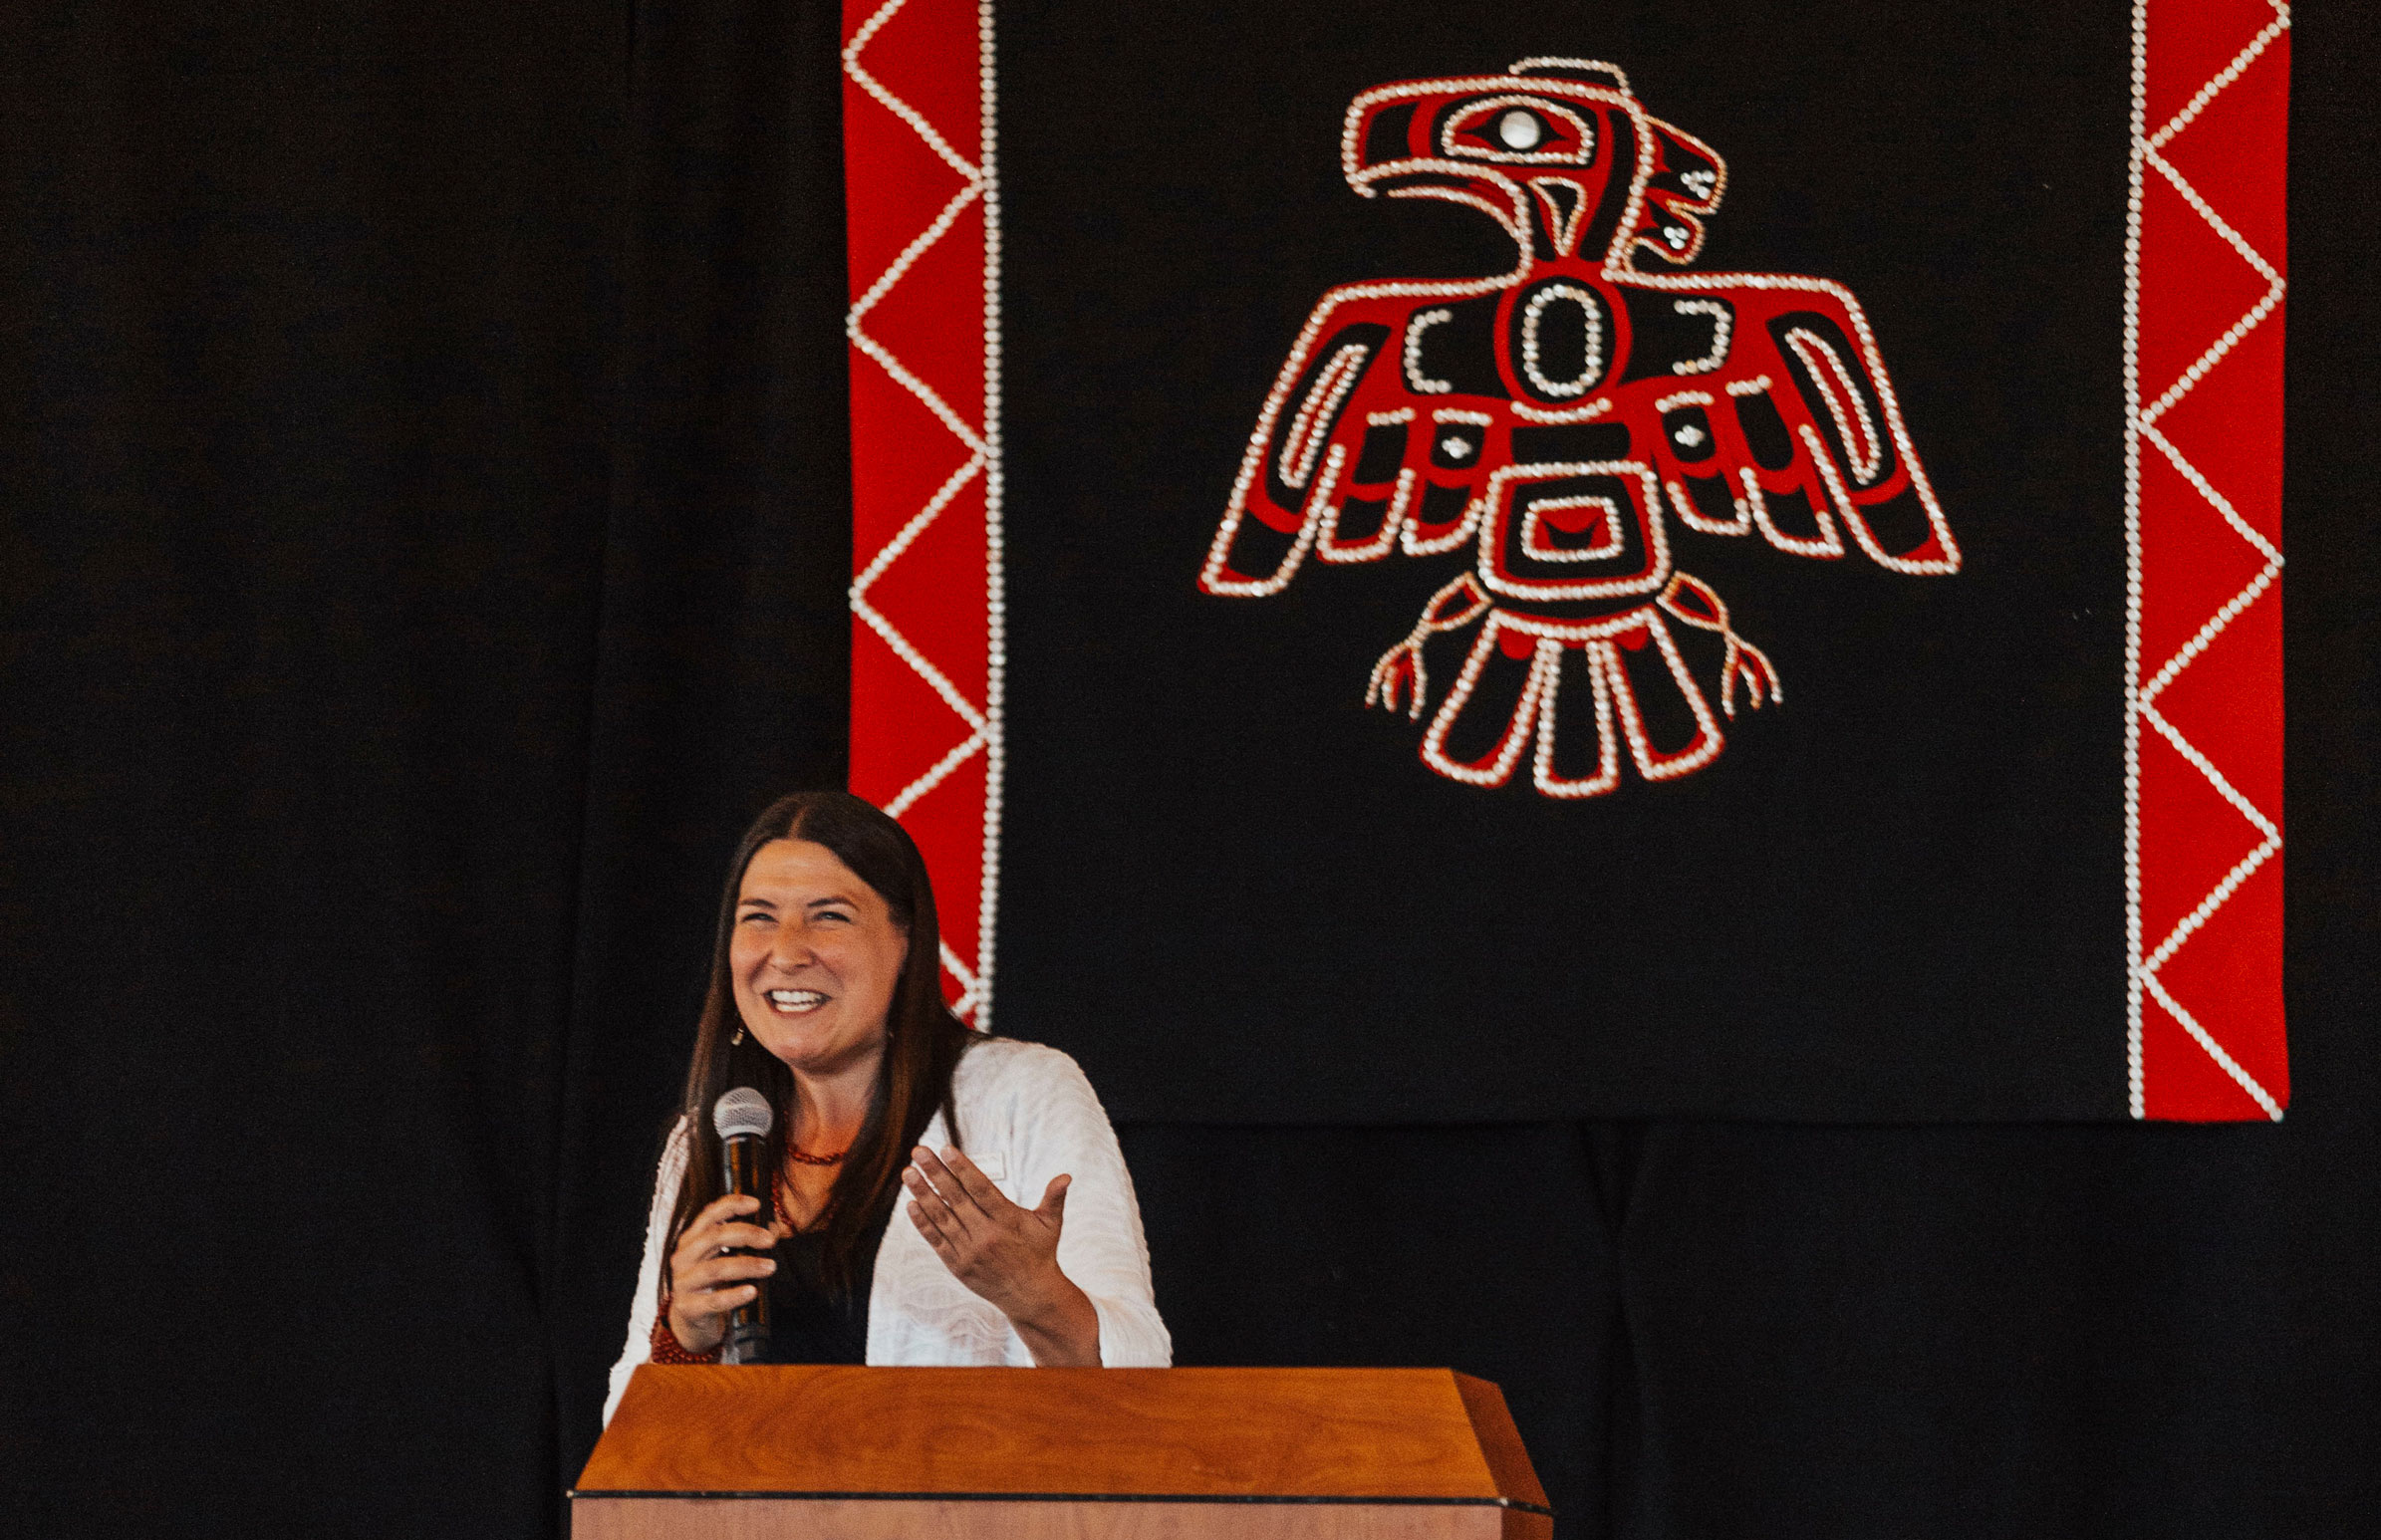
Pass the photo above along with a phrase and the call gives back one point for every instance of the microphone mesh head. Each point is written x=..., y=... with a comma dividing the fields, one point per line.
x=740, y=1112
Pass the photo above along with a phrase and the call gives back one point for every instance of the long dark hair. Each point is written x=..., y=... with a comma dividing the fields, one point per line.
x=923, y=1039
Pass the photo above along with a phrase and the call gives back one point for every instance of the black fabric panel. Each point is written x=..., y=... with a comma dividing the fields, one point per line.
x=1236, y=894
x=303, y=450
x=1713, y=1330
x=724, y=674
x=2020, y=1331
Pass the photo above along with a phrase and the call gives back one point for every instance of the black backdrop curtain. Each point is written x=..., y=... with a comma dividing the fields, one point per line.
x=421, y=546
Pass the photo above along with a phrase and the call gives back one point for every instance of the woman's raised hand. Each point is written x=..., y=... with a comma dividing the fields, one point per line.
x=706, y=1287
x=1006, y=1253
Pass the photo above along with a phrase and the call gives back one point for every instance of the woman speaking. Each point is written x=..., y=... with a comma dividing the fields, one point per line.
x=938, y=1197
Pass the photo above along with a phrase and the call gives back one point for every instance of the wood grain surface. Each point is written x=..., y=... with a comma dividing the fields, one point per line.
x=684, y=1518
x=1255, y=1432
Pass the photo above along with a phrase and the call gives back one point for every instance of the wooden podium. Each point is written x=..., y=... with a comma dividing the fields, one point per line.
x=697, y=1452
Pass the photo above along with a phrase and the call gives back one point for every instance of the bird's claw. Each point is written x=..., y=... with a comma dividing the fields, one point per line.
x=1451, y=609
x=1401, y=665
x=1690, y=600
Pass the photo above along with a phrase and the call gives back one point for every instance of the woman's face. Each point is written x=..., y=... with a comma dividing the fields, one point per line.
x=815, y=955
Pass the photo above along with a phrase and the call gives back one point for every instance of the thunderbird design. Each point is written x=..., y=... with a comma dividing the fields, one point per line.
x=1557, y=432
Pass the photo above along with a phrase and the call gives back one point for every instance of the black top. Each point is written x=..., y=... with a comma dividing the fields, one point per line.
x=810, y=1323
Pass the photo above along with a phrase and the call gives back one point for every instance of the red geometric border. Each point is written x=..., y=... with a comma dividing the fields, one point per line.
x=925, y=331
x=2204, y=285
x=2206, y=255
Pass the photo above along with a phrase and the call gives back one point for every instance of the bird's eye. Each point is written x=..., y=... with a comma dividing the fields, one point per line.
x=1510, y=130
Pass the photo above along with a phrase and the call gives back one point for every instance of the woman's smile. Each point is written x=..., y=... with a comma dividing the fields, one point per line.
x=814, y=954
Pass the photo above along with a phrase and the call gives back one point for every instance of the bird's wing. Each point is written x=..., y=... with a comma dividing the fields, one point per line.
x=1362, y=448
x=1765, y=408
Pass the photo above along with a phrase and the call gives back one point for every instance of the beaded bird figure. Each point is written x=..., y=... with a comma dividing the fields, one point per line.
x=1555, y=420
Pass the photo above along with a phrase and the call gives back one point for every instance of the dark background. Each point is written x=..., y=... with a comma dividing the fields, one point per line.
x=421, y=547
x=1235, y=893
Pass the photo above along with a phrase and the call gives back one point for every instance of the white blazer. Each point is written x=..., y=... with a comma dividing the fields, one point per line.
x=1027, y=1114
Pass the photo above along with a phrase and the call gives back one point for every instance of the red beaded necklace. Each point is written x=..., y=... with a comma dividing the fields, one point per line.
x=800, y=1159
x=786, y=1204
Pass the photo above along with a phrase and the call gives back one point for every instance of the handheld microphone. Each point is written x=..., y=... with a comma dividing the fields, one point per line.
x=743, y=1119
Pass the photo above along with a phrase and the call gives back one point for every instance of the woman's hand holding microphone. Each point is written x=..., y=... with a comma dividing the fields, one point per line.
x=707, y=1283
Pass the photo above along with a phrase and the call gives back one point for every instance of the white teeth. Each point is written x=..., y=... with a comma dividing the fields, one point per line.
x=795, y=1001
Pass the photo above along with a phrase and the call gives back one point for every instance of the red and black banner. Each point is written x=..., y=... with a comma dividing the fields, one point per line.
x=1412, y=564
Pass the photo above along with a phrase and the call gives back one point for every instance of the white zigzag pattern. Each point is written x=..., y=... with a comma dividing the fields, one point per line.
x=2140, y=707
x=982, y=721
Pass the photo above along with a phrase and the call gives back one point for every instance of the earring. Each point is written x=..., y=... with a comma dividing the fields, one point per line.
x=739, y=1040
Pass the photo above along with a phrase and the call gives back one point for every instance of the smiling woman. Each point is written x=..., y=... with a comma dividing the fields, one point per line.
x=937, y=1196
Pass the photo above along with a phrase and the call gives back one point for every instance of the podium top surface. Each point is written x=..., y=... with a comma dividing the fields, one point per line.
x=1332, y=1433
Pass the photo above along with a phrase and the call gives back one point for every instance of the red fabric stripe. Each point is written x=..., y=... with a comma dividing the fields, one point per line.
x=929, y=325
x=2226, y=701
